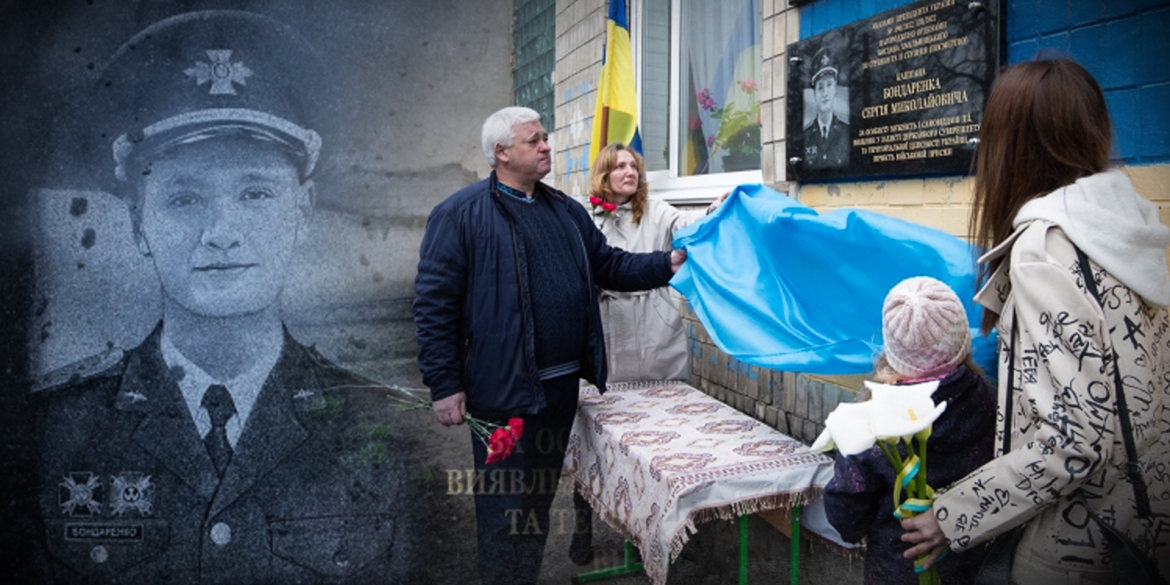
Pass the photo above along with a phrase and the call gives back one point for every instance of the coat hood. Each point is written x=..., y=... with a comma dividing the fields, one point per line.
x=1115, y=226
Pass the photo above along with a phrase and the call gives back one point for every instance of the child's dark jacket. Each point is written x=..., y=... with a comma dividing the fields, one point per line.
x=859, y=499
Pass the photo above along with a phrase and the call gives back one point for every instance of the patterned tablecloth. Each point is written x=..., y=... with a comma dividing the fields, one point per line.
x=655, y=459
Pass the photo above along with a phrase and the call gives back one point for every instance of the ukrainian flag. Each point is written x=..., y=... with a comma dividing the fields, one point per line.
x=616, y=116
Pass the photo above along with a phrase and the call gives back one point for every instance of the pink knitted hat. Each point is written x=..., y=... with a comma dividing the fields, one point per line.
x=925, y=328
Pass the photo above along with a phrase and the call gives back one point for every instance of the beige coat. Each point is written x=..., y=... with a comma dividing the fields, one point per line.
x=644, y=335
x=1065, y=435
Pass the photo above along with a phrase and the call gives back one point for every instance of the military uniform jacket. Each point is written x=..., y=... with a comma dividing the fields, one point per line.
x=826, y=152
x=1059, y=411
x=128, y=493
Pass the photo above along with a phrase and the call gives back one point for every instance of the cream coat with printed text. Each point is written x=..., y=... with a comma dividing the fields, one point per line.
x=1064, y=432
x=644, y=334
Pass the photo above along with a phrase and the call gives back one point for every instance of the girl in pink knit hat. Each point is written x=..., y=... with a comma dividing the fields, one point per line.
x=927, y=337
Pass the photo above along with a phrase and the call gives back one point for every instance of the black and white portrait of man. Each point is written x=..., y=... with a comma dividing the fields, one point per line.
x=215, y=214
x=826, y=113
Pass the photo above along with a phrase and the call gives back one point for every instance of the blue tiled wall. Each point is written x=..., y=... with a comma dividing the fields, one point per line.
x=1125, y=44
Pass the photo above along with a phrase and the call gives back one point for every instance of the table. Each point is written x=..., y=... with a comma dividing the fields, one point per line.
x=655, y=459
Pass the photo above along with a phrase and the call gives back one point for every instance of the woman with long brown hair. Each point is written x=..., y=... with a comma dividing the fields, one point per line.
x=1076, y=284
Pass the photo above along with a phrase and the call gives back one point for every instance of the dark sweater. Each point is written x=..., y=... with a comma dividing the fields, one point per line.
x=559, y=289
x=859, y=499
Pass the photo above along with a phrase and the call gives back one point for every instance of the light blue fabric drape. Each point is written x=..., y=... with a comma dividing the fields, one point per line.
x=780, y=286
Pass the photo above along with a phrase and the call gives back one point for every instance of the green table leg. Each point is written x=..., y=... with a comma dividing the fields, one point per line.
x=743, y=549
x=628, y=567
x=794, y=561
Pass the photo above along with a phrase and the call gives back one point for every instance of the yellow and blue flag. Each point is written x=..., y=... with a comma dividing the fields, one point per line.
x=616, y=116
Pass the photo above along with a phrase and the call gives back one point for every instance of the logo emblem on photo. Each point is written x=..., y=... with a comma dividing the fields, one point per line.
x=132, y=491
x=80, y=494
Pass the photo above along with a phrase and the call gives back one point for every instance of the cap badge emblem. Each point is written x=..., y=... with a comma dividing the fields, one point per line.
x=132, y=491
x=221, y=72
x=81, y=494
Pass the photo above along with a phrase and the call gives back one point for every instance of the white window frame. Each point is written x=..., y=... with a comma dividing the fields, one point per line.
x=667, y=184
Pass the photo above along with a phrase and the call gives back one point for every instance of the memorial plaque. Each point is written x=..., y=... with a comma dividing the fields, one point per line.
x=900, y=93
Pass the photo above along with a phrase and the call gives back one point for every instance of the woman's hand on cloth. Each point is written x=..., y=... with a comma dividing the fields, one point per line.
x=926, y=536
x=716, y=203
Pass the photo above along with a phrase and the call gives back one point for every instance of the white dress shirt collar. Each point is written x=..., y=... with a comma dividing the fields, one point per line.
x=244, y=388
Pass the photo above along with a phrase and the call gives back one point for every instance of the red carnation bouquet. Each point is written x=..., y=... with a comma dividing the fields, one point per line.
x=501, y=440
x=607, y=208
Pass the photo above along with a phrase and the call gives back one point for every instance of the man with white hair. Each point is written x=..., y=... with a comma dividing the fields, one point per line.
x=508, y=323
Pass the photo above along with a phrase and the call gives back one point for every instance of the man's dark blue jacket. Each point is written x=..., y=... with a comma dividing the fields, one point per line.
x=473, y=309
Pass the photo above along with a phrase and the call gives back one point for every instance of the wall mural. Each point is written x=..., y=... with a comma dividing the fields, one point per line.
x=211, y=217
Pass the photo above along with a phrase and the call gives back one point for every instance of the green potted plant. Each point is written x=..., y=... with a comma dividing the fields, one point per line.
x=739, y=128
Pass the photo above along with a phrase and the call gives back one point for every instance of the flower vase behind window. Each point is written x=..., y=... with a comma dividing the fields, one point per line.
x=739, y=127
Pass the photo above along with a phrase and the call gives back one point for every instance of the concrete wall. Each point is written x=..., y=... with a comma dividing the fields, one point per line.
x=411, y=84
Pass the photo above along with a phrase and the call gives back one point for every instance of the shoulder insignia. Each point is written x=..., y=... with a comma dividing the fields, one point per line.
x=306, y=400
x=91, y=367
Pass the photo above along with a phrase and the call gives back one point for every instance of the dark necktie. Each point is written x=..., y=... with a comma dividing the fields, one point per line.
x=218, y=402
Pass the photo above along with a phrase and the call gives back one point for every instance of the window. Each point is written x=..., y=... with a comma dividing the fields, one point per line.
x=533, y=37
x=698, y=66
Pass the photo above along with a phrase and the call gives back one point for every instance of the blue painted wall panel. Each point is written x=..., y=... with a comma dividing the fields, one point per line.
x=1154, y=114
x=1153, y=55
x=1089, y=44
x=827, y=15
x=808, y=13
x=1057, y=42
x=1081, y=13
x=1022, y=50
x=1053, y=15
x=1116, y=8
x=834, y=12
x=849, y=7
x=1123, y=106
x=1025, y=14
x=1118, y=52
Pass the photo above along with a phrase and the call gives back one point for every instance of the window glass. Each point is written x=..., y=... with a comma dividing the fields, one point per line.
x=655, y=60
x=534, y=39
x=719, y=53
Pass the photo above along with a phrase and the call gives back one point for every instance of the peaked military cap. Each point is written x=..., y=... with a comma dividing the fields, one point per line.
x=824, y=63
x=201, y=75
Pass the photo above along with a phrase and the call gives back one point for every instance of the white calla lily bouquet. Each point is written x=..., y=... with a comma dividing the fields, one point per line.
x=894, y=414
